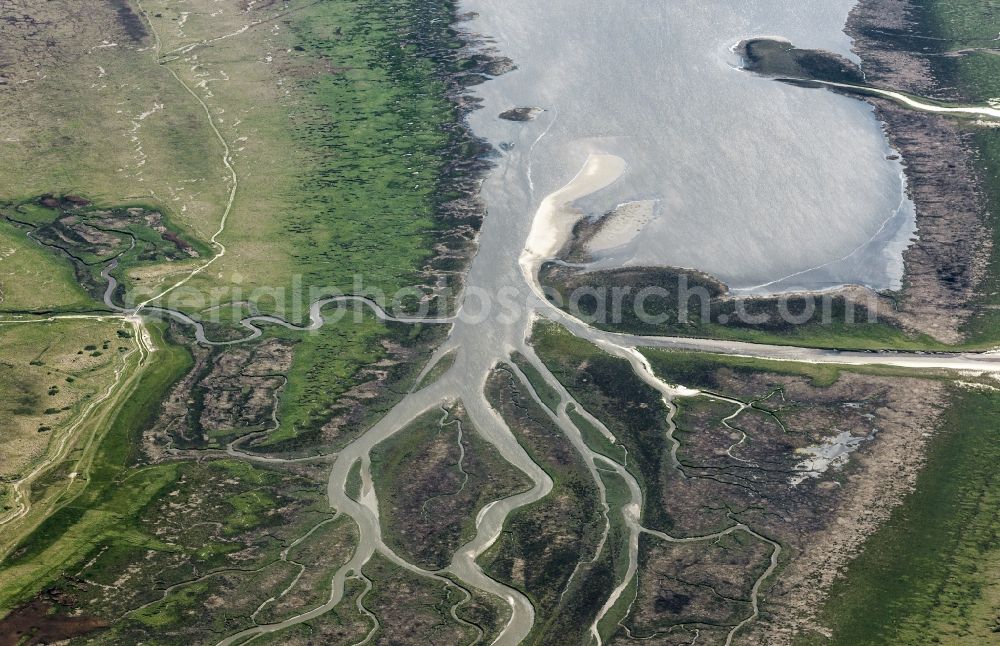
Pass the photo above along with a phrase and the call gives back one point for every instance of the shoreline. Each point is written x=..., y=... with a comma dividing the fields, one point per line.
x=946, y=268
x=555, y=220
x=946, y=264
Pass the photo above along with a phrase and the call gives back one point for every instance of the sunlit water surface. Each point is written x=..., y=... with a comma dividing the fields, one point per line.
x=768, y=187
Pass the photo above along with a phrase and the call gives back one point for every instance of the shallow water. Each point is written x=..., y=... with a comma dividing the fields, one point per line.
x=753, y=181
x=756, y=182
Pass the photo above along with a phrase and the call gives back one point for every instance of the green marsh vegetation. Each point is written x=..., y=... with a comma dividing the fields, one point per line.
x=158, y=525
x=967, y=31
x=821, y=322
x=353, y=126
x=546, y=393
x=321, y=406
x=548, y=549
x=699, y=369
x=345, y=624
x=414, y=606
x=609, y=388
x=430, y=487
x=438, y=370
x=595, y=439
x=931, y=574
x=615, y=553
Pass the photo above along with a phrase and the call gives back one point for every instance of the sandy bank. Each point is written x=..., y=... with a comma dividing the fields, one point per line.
x=552, y=226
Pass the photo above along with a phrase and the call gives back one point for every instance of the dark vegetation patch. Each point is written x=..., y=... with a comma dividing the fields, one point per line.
x=330, y=545
x=230, y=391
x=38, y=622
x=173, y=525
x=490, y=613
x=345, y=624
x=92, y=237
x=432, y=478
x=520, y=114
x=782, y=59
x=413, y=610
x=129, y=20
x=675, y=302
x=543, y=544
x=609, y=389
x=705, y=584
x=744, y=466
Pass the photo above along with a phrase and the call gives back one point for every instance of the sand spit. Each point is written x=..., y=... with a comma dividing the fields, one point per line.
x=553, y=225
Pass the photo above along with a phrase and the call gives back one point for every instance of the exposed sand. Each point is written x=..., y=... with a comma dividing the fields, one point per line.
x=553, y=224
x=622, y=226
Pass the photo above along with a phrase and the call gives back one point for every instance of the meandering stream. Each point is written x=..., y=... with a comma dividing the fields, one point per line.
x=594, y=163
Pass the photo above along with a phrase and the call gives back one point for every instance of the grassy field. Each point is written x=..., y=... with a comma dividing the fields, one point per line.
x=90, y=508
x=153, y=144
x=49, y=372
x=339, y=134
x=33, y=279
x=339, y=140
x=144, y=528
x=931, y=575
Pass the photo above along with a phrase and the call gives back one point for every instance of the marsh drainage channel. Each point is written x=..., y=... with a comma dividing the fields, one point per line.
x=465, y=381
x=507, y=260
